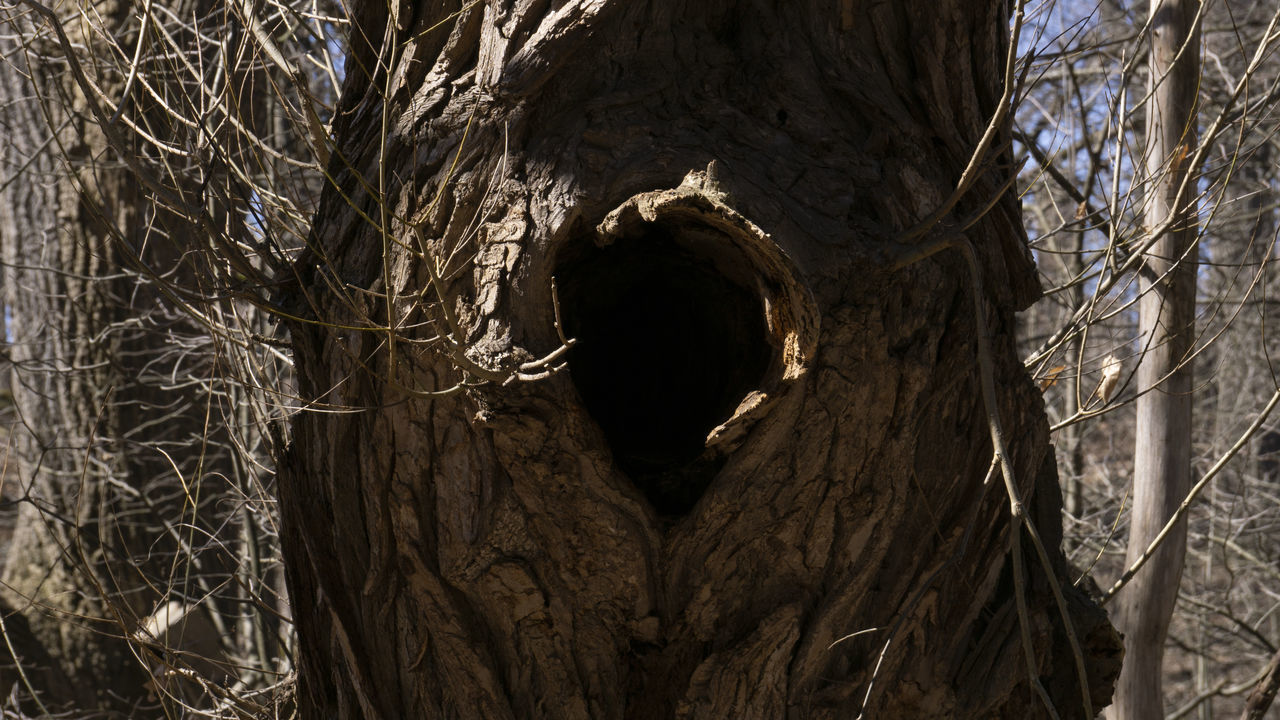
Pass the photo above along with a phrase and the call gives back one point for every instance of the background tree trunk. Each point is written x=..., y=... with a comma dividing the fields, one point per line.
x=1167, y=281
x=118, y=428
x=70, y=444
x=758, y=491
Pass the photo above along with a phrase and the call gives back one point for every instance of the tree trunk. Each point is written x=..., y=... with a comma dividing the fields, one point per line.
x=758, y=490
x=1167, y=281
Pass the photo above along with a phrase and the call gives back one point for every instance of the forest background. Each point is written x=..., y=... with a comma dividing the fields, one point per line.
x=135, y=353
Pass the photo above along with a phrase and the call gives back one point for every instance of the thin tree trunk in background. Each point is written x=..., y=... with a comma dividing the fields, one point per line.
x=1073, y=435
x=1162, y=452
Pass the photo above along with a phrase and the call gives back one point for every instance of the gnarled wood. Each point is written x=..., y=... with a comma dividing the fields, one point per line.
x=496, y=550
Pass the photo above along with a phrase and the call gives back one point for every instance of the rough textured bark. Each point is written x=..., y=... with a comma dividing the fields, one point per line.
x=1167, y=311
x=766, y=440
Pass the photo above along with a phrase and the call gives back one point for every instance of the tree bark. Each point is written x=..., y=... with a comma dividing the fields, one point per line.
x=1167, y=281
x=758, y=489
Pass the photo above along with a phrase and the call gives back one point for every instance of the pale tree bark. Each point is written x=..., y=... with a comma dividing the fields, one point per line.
x=1167, y=281
x=758, y=489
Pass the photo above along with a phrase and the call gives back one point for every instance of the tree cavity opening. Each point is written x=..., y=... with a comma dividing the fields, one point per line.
x=667, y=347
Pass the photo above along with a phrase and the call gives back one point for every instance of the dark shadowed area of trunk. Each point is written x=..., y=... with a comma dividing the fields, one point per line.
x=764, y=442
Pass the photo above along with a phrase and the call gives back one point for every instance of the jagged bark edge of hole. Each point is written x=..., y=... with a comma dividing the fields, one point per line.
x=791, y=313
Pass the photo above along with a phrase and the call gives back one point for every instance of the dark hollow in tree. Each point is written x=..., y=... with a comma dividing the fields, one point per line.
x=667, y=348
x=485, y=550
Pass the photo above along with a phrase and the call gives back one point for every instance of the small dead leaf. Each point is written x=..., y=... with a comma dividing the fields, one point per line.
x=1111, y=367
x=1178, y=158
x=1051, y=377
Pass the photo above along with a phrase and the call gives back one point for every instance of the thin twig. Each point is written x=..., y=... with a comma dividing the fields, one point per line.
x=1191, y=496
